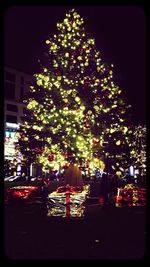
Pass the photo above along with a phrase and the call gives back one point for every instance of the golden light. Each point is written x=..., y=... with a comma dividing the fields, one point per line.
x=67, y=54
x=118, y=143
x=112, y=130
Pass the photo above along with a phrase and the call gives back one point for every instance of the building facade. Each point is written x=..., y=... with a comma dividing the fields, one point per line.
x=16, y=85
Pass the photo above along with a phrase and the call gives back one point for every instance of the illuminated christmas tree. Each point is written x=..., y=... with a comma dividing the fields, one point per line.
x=75, y=111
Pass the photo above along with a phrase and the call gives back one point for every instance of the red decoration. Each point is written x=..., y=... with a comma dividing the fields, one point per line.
x=51, y=157
x=68, y=210
x=68, y=189
x=131, y=197
x=68, y=156
x=38, y=150
x=34, y=113
x=22, y=135
x=58, y=73
x=101, y=200
x=22, y=192
x=87, y=83
x=65, y=165
x=95, y=141
x=87, y=125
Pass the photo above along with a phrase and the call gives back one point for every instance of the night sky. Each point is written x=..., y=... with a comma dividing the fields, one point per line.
x=119, y=33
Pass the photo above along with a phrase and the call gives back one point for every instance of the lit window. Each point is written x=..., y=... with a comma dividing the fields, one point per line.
x=12, y=134
x=7, y=134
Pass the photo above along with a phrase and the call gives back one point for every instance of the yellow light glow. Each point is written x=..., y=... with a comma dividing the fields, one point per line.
x=39, y=82
x=79, y=58
x=32, y=104
x=66, y=54
x=77, y=99
x=125, y=129
x=112, y=130
x=118, y=143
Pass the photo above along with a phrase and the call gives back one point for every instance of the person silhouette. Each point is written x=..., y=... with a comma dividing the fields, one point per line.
x=73, y=176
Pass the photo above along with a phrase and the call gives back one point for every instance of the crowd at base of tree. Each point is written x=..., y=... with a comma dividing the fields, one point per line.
x=75, y=111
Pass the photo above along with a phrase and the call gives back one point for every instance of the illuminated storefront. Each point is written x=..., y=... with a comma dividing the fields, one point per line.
x=10, y=140
x=10, y=152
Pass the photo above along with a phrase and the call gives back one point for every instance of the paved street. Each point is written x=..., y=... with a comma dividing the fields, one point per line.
x=104, y=233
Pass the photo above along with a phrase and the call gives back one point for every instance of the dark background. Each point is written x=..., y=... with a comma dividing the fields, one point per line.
x=119, y=32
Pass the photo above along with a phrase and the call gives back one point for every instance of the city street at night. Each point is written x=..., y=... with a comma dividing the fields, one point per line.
x=75, y=133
